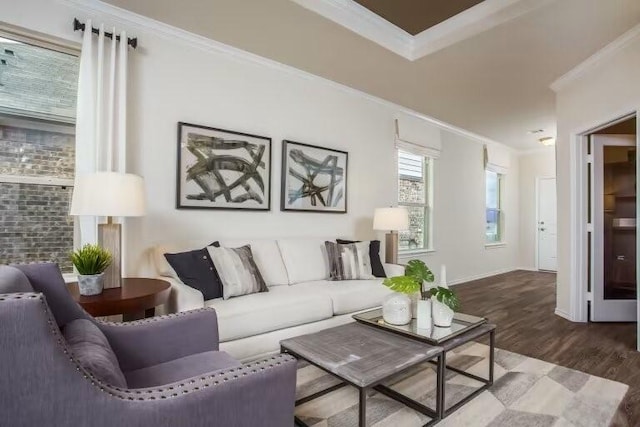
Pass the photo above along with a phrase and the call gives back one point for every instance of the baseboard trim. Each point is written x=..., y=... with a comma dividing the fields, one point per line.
x=527, y=268
x=563, y=314
x=481, y=276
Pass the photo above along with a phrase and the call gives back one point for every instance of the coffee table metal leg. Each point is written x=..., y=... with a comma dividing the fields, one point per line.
x=492, y=347
x=442, y=363
x=362, y=409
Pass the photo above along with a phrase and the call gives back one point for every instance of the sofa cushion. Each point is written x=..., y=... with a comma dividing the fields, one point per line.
x=281, y=307
x=91, y=348
x=237, y=271
x=180, y=369
x=195, y=269
x=349, y=296
x=305, y=259
x=266, y=254
x=374, y=255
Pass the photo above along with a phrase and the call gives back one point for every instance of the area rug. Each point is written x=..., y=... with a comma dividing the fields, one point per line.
x=526, y=392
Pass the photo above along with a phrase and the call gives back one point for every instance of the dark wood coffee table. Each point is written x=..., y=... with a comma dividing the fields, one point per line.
x=364, y=358
x=136, y=299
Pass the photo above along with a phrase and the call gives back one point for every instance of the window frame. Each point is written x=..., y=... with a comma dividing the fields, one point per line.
x=428, y=166
x=36, y=121
x=501, y=241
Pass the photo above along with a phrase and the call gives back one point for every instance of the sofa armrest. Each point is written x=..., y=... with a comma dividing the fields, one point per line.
x=156, y=340
x=392, y=270
x=182, y=297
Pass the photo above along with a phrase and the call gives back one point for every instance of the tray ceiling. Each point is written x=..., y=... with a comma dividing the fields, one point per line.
x=415, y=16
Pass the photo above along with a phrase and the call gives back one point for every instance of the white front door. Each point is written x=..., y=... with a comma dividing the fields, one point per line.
x=547, y=226
x=614, y=228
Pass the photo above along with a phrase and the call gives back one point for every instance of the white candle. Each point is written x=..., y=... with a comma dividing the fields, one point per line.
x=443, y=276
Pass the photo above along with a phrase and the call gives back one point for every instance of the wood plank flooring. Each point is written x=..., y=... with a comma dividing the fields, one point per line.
x=522, y=304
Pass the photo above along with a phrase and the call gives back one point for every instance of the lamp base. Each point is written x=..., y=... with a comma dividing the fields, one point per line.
x=109, y=238
x=391, y=248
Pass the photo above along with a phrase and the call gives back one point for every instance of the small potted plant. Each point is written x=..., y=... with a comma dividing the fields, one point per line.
x=91, y=261
x=405, y=303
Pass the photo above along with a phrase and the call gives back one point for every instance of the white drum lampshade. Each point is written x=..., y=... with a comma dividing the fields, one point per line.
x=391, y=220
x=109, y=194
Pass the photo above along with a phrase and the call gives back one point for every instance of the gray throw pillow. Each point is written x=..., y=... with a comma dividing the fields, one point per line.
x=238, y=271
x=349, y=261
x=91, y=348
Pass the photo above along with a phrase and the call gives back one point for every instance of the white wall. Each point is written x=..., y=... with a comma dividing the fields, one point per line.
x=172, y=81
x=459, y=214
x=600, y=94
x=533, y=165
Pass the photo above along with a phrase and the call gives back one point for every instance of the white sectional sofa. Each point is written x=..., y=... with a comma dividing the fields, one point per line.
x=301, y=298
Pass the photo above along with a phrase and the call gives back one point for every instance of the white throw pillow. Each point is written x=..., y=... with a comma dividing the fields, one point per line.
x=237, y=271
x=349, y=261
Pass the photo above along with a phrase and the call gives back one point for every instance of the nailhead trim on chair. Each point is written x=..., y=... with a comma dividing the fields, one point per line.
x=164, y=392
x=154, y=319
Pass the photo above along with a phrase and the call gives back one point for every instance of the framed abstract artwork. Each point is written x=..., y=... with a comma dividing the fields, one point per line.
x=314, y=179
x=222, y=169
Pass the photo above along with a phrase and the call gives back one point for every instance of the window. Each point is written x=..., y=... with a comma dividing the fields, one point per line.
x=38, y=89
x=494, y=215
x=414, y=192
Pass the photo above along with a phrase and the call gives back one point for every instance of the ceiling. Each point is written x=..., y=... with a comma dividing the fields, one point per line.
x=415, y=16
x=495, y=83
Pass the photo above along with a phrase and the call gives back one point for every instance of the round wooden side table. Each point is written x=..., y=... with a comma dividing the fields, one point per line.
x=136, y=299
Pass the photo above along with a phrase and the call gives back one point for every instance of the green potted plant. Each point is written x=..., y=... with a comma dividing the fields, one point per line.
x=405, y=303
x=444, y=301
x=91, y=261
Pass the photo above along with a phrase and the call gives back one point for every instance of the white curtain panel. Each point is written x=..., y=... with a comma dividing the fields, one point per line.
x=101, y=120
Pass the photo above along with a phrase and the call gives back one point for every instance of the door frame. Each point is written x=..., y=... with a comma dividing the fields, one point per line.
x=578, y=228
x=537, y=239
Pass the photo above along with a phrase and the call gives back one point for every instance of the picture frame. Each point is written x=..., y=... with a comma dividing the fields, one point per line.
x=313, y=179
x=222, y=169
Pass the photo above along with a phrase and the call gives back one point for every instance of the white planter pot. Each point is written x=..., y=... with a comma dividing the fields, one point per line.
x=442, y=315
x=90, y=284
x=423, y=314
x=396, y=309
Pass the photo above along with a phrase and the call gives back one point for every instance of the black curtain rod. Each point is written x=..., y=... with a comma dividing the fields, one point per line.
x=77, y=25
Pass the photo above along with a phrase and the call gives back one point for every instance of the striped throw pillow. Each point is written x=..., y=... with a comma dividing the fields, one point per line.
x=349, y=261
x=238, y=271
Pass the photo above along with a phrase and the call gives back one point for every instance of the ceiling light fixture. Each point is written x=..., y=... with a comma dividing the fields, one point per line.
x=547, y=140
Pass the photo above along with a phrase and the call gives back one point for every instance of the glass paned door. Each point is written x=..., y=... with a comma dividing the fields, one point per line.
x=614, y=216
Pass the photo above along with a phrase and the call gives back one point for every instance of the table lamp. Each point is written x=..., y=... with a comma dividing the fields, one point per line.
x=109, y=194
x=391, y=220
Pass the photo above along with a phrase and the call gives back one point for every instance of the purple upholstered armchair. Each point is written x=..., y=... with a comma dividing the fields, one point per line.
x=61, y=367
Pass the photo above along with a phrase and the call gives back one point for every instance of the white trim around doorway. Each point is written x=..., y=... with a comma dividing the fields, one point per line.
x=578, y=268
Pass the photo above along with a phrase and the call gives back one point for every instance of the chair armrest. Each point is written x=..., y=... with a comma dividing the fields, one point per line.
x=159, y=339
x=182, y=297
x=392, y=270
x=257, y=394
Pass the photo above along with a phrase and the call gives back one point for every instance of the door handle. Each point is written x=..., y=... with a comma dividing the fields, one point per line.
x=542, y=229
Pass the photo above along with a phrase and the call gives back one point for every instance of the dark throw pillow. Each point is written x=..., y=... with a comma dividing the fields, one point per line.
x=195, y=269
x=92, y=350
x=374, y=253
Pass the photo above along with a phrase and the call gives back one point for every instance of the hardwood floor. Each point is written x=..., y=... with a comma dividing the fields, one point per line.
x=522, y=304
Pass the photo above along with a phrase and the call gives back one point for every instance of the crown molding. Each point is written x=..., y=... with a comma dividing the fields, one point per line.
x=596, y=59
x=362, y=21
x=473, y=21
x=137, y=23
